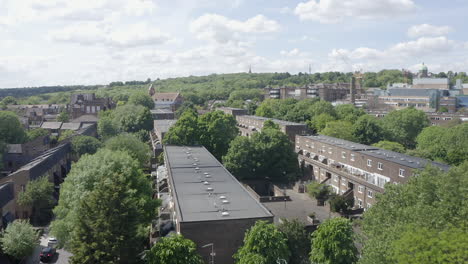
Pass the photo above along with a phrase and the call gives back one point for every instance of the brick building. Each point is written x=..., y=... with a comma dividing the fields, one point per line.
x=7, y=206
x=88, y=104
x=233, y=111
x=18, y=155
x=171, y=101
x=354, y=169
x=326, y=91
x=435, y=118
x=208, y=204
x=249, y=124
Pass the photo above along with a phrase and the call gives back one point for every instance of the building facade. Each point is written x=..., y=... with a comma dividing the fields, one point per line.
x=435, y=118
x=326, y=91
x=249, y=124
x=353, y=169
x=233, y=111
x=88, y=104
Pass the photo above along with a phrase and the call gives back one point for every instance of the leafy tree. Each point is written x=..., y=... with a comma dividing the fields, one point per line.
x=423, y=245
x=85, y=176
x=19, y=239
x=456, y=142
x=85, y=145
x=268, y=153
x=141, y=99
x=298, y=240
x=35, y=133
x=112, y=223
x=132, y=118
x=332, y=242
x=341, y=204
x=320, y=122
x=432, y=199
x=252, y=258
x=106, y=128
x=443, y=109
x=389, y=145
x=185, y=131
x=339, y=129
x=321, y=107
x=38, y=196
x=268, y=124
x=431, y=141
x=187, y=105
x=11, y=130
x=403, y=126
x=174, y=250
x=65, y=134
x=368, y=130
x=217, y=130
x=138, y=150
x=63, y=116
x=9, y=100
x=319, y=191
x=265, y=240
x=348, y=112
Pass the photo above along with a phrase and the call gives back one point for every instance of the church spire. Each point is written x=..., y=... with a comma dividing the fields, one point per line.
x=250, y=68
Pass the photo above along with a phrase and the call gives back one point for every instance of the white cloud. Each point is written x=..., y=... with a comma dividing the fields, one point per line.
x=425, y=30
x=334, y=11
x=94, y=33
x=22, y=11
x=222, y=29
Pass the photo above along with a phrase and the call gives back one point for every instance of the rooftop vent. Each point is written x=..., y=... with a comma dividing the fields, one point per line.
x=225, y=201
x=197, y=168
x=209, y=189
x=402, y=158
x=222, y=197
x=225, y=213
x=206, y=183
x=207, y=176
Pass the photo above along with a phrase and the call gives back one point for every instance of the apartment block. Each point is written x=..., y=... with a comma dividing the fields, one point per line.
x=249, y=124
x=355, y=169
x=233, y=111
x=326, y=91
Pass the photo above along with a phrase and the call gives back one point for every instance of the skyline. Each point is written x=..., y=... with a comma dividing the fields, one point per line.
x=59, y=42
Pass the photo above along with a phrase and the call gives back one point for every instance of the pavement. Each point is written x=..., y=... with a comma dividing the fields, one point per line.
x=300, y=206
x=62, y=256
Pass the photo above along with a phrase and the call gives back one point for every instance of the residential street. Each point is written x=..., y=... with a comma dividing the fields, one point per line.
x=61, y=257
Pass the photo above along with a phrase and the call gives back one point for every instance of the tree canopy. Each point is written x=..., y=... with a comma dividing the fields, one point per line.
x=137, y=149
x=368, y=130
x=11, y=130
x=174, y=250
x=185, y=131
x=142, y=99
x=332, y=243
x=85, y=145
x=85, y=176
x=389, y=145
x=265, y=240
x=433, y=200
x=403, y=126
x=268, y=153
x=339, y=129
x=298, y=240
x=38, y=195
x=19, y=239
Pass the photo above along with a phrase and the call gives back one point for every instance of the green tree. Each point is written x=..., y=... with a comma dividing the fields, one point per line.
x=332, y=243
x=137, y=149
x=106, y=128
x=348, y=112
x=65, y=134
x=368, y=130
x=456, y=142
x=431, y=141
x=174, y=250
x=298, y=240
x=217, y=130
x=321, y=107
x=423, y=245
x=11, y=130
x=85, y=145
x=132, y=118
x=141, y=99
x=318, y=191
x=389, y=145
x=185, y=131
x=38, y=196
x=112, y=223
x=268, y=153
x=432, y=199
x=265, y=240
x=341, y=204
x=339, y=129
x=19, y=239
x=35, y=133
x=187, y=105
x=320, y=122
x=63, y=116
x=85, y=176
x=9, y=100
x=403, y=126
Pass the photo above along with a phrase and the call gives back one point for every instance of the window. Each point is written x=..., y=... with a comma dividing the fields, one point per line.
x=369, y=163
x=369, y=205
x=360, y=188
x=401, y=173
x=380, y=166
x=335, y=178
x=343, y=155
x=370, y=194
x=360, y=203
x=312, y=145
x=329, y=150
x=352, y=157
x=343, y=182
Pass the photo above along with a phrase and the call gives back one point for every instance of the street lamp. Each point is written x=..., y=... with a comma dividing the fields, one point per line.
x=212, y=254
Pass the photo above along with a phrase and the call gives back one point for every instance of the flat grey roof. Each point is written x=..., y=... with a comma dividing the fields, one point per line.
x=71, y=126
x=163, y=125
x=277, y=121
x=161, y=111
x=51, y=125
x=194, y=201
x=346, y=144
x=403, y=159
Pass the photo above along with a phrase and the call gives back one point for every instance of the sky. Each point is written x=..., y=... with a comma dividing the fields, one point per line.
x=67, y=42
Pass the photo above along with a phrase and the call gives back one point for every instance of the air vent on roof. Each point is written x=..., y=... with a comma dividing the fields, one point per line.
x=194, y=164
x=402, y=158
x=410, y=161
x=209, y=189
x=207, y=176
x=197, y=168
x=222, y=197
x=206, y=183
x=206, y=173
x=187, y=152
x=225, y=213
x=225, y=201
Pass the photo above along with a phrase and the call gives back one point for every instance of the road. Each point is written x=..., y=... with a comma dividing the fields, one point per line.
x=61, y=258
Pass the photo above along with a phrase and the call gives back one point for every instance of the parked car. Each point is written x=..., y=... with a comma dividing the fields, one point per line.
x=47, y=254
x=51, y=242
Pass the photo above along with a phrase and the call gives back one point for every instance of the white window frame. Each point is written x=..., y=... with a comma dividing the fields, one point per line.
x=343, y=154
x=330, y=150
x=380, y=165
x=401, y=172
x=370, y=194
x=352, y=157
x=335, y=178
x=369, y=163
x=360, y=188
x=360, y=203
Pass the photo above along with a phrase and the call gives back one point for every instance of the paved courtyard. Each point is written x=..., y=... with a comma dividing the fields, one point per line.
x=62, y=256
x=300, y=206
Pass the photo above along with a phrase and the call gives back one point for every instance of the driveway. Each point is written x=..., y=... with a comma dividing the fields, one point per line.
x=62, y=256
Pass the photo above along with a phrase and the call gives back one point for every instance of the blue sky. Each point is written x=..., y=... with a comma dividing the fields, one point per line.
x=54, y=42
